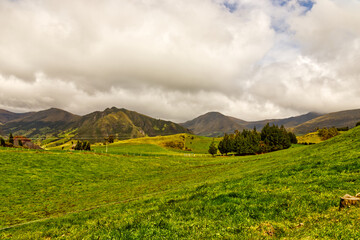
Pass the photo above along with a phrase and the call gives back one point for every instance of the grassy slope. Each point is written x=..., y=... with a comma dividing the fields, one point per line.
x=150, y=145
x=287, y=194
x=312, y=137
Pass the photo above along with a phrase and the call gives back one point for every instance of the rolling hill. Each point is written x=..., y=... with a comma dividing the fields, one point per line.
x=289, y=194
x=347, y=118
x=121, y=123
x=214, y=124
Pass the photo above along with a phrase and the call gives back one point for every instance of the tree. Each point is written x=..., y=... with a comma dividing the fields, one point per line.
x=109, y=139
x=11, y=139
x=212, y=149
x=83, y=146
x=225, y=145
x=2, y=142
x=293, y=138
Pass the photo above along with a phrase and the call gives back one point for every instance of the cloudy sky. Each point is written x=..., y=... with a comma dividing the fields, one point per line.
x=178, y=59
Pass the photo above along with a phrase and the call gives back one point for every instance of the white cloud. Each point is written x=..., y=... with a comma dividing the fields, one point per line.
x=176, y=60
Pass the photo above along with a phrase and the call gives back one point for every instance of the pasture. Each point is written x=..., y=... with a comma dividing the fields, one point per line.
x=163, y=193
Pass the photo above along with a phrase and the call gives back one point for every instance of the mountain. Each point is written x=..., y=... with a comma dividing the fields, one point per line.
x=6, y=116
x=214, y=124
x=336, y=119
x=121, y=123
x=39, y=124
x=290, y=122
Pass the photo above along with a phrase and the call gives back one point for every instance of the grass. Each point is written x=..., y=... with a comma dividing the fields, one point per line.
x=290, y=194
x=312, y=137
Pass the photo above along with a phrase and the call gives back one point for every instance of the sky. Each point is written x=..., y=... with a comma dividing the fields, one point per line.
x=176, y=60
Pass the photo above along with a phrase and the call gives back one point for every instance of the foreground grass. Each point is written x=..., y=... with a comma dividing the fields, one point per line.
x=286, y=194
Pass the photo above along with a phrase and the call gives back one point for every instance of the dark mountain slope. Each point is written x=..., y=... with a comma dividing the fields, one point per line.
x=287, y=122
x=6, y=116
x=40, y=124
x=214, y=124
x=123, y=124
x=336, y=119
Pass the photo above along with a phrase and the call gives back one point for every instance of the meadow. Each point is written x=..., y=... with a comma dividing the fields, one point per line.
x=163, y=193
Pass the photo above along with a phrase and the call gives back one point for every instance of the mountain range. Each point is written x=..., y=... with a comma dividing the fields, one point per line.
x=125, y=124
x=214, y=124
x=121, y=123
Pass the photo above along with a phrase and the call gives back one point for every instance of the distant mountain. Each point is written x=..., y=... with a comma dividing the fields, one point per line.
x=336, y=119
x=290, y=122
x=40, y=124
x=216, y=124
x=121, y=123
x=6, y=116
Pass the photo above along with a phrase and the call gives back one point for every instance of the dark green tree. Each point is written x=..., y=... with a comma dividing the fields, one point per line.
x=2, y=142
x=11, y=139
x=78, y=146
x=212, y=149
x=225, y=145
x=293, y=138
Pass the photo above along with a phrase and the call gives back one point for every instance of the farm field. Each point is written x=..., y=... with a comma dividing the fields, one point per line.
x=162, y=193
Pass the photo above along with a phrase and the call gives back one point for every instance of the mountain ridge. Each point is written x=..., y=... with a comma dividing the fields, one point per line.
x=94, y=126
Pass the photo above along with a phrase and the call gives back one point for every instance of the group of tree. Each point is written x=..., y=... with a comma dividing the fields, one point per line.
x=9, y=142
x=327, y=133
x=109, y=139
x=249, y=142
x=83, y=145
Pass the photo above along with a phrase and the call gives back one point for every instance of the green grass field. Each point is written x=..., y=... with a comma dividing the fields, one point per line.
x=289, y=194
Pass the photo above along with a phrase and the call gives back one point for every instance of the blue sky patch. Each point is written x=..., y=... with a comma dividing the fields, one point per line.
x=308, y=4
x=231, y=6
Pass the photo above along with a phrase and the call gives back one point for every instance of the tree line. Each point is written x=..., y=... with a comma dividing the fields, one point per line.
x=250, y=142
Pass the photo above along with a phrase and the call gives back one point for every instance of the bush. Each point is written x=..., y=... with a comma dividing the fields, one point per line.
x=85, y=146
x=327, y=133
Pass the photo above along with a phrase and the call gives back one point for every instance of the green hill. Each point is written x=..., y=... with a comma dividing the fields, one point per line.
x=289, y=194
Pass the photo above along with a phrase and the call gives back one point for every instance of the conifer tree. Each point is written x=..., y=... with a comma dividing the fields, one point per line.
x=212, y=149
x=11, y=138
x=2, y=142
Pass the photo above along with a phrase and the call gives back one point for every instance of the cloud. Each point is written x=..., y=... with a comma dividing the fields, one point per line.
x=176, y=60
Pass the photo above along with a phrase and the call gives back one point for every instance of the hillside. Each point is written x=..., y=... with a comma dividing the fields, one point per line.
x=336, y=119
x=290, y=122
x=56, y=123
x=123, y=124
x=6, y=116
x=216, y=124
x=40, y=124
x=289, y=194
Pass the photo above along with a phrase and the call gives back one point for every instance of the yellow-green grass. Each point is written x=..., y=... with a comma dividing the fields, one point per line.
x=191, y=144
x=312, y=137
x=289, y=194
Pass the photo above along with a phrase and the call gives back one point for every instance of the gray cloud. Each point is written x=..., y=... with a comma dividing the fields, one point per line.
x=176, y=60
